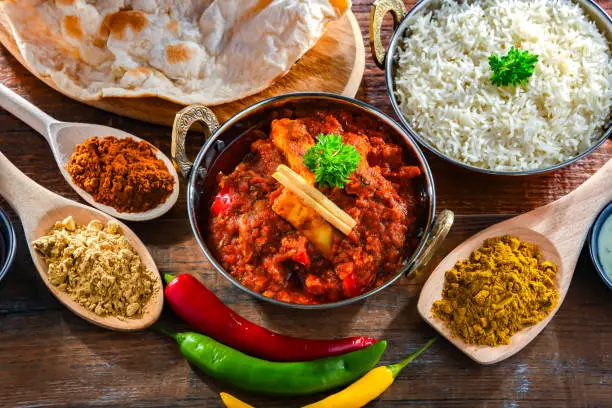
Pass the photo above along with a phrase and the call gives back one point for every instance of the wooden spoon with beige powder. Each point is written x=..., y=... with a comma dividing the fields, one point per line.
x=40, y=210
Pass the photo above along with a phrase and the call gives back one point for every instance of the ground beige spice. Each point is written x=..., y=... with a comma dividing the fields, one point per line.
x=97, y=267
x=502, y=288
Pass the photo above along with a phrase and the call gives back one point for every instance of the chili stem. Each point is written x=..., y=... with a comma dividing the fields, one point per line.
x=396, y=368
x=165, y=331
x=168, y=277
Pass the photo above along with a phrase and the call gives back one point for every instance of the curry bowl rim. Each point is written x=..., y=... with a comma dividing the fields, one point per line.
x=408, y=142
x=398, y=34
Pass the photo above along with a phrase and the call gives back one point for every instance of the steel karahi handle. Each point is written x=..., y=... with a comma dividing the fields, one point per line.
x=444, y=222
x=379, y=9
x=182, y=122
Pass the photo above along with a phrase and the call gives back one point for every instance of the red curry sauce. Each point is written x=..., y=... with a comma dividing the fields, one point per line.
x=266, y=254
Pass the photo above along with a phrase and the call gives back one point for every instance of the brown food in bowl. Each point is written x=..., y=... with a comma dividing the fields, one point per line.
x=265, y=253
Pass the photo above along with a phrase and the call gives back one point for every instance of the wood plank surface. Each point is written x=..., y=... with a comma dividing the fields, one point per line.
x=49, y=357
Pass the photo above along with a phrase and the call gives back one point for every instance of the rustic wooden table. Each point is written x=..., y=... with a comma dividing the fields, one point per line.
x=49, y=357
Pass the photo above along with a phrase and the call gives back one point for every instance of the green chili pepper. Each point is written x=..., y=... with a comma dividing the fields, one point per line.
x=273, y=378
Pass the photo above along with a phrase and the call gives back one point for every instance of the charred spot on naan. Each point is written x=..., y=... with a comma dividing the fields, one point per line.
x=173, y=26
x=103, y=32
x=71, y=26
x=140, y=71
x=340, y=5
x=99, y=42
x=181, y=59
x=120, y=21
x=177, y=53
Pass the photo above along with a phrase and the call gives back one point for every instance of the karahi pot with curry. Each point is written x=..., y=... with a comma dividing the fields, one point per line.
x=309, y=200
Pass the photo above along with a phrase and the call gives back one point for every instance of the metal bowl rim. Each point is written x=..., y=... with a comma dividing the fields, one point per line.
x=7, y=226
x=430, y=187
x=593, y=251
x=393, y=45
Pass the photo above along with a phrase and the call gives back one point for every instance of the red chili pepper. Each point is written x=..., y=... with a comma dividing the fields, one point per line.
x=199, y=307
x=222, y=201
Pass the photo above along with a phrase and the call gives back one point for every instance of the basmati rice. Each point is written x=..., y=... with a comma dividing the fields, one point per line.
x=442, y=82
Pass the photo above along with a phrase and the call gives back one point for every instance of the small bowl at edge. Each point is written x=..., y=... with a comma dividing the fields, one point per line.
x=8, y=243
x=593, y=243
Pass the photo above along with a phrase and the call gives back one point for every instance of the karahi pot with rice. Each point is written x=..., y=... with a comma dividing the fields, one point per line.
x=443, y=81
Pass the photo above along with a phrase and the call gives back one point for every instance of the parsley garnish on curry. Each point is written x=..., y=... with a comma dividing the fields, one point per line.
x=276, y=243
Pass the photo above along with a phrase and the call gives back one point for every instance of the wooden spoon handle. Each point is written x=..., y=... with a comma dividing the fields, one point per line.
x=592, y=195
x=24, y=110
x=30, y=200
x=566, y=221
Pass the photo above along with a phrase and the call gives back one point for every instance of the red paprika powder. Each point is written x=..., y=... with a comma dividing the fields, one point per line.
x=121, y=173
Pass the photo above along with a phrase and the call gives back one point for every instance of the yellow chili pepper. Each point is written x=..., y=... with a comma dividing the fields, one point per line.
x=369, y=386
x=356, y=395
x=233, y=402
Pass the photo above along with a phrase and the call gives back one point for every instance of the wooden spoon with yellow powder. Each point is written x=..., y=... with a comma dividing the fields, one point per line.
x=558, y=229
x=40, y=210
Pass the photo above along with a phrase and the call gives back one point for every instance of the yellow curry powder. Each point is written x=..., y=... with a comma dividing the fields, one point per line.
x=502, y=288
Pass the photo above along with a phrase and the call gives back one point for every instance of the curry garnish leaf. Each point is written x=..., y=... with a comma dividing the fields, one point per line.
x=512, y=69
x=331, y=160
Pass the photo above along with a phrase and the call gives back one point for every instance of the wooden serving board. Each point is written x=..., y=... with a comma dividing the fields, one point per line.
x=335, y=64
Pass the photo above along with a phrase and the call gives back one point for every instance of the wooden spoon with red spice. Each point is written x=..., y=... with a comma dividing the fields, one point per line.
x=63, y=138
x=39, y=209
x=559, y=229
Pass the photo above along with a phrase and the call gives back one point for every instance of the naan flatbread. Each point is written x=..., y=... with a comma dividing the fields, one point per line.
x=190, y=51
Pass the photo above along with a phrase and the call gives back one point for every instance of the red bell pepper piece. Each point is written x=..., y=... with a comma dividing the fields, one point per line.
x=222, y=201
x=349, y=286
x=202, y=309
x=302, y=258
